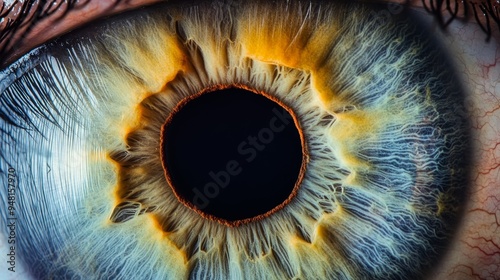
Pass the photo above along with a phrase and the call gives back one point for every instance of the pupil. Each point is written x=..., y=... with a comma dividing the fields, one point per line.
x=232, y=154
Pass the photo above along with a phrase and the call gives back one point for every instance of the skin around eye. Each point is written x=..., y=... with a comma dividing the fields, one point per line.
x=486, y=118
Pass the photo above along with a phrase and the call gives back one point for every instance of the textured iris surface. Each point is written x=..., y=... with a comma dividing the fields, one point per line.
x=382, y=118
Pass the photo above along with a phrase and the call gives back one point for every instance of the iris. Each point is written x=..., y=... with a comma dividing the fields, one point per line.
x=382, y=129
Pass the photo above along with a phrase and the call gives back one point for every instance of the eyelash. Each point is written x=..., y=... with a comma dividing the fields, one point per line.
x=441, y=9
x=29, y=13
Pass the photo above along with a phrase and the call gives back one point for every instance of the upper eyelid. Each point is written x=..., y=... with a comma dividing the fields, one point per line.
x=18, y=18
x=29, y=13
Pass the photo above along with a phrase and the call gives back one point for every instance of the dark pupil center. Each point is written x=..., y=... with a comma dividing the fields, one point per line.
x=232, y=154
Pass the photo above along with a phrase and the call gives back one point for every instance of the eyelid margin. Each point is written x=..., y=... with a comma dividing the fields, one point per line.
x=18, y=68
x=445, y=12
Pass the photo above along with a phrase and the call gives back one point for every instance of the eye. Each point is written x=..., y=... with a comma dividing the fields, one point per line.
x=263, y=56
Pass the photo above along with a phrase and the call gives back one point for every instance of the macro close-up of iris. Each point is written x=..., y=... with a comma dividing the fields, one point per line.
x=226, y=139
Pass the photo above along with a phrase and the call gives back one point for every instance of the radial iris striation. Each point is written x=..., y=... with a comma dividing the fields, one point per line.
x=380, y=112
